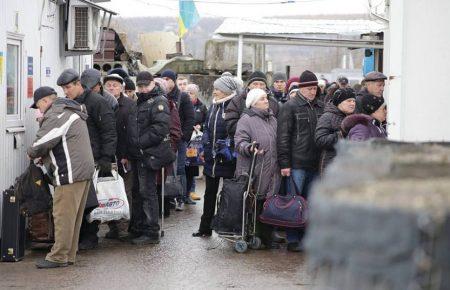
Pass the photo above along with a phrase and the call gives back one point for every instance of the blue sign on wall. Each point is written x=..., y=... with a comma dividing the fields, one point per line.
x=369, y=61
x=30, y=66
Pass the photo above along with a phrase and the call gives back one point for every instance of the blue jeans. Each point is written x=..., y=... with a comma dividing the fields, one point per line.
x=303, y=179
x=181, y=170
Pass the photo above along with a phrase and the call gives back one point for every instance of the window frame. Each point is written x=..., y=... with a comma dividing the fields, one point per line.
x=16, y=120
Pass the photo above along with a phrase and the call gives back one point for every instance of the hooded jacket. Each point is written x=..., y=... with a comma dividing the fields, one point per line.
x=362, y=127
x=260, y=127
x=63, y=143
x=328, y=133
x=297, y=122
x=149, y=124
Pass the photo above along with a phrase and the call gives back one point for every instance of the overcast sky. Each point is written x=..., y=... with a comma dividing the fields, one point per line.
x=243, y=8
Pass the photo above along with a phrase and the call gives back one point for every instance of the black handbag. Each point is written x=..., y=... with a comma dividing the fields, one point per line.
x=159, y=156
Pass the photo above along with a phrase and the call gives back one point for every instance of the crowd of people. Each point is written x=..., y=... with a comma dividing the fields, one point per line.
x=100, y=122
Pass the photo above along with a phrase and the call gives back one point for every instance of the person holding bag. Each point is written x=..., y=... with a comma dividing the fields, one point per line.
x=149, y=135
x=218, y=150
x=259, y=125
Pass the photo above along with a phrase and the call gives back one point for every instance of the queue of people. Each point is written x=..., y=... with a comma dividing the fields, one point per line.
x=296, y=123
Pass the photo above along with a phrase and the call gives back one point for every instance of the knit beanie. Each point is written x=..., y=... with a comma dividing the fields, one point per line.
x=341, y=95
x=279, y=76
x=129, y=84
x=253, y=96
x=226, y=85
x=168, y=73
x=308, y=79
x=257, y=76
x=371, y=103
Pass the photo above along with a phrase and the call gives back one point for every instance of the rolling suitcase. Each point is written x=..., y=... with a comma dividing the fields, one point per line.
x=13, y=229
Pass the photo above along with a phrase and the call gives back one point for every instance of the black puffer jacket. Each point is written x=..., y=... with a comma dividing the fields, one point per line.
x=328, y=133
x=359, y=96
x=185, y=110
x=126, y=107
x=236, y=106
x=200, y=112
x=101, y=125
x=149, y=123
x=296, y=129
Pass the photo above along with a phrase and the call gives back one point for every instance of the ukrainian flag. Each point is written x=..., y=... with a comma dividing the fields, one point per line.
x=188, y=16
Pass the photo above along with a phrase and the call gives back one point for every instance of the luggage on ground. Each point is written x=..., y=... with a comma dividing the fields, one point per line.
x=13, y=228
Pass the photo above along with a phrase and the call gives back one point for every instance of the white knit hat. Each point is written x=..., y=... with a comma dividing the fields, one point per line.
x=253, y=96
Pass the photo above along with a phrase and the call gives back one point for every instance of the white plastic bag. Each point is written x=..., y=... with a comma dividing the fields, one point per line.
x=112, y=198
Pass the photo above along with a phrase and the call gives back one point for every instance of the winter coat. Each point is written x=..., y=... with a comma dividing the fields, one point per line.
x=185, y=110
x=101, y=125
x=362, y=127
x=260, y=127
x=63, y=143
x=297, y=122
x=328, y=132
x=281, y=97
x=200, y=112
x=359, y=96
x=213, y=130
x=126, y=107
x=175, y=126
x=236, y=107
x=149, y=124
x=110, y=99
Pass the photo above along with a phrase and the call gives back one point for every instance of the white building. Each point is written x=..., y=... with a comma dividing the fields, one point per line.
x=38, y=39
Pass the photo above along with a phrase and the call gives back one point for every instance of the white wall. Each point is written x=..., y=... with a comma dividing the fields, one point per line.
x=418, y=47
x=13, y=161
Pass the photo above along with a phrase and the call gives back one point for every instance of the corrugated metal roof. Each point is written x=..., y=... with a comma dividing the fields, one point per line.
x=298, y=26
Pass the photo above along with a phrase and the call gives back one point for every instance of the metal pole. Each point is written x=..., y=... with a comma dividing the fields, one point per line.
x=240, y=50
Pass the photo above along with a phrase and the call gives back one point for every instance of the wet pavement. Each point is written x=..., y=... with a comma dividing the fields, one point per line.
x=178, y=262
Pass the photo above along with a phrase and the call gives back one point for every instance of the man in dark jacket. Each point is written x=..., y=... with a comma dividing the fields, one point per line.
x=234, y=110
x=187, y=118
x=373, y=86
x=92, y=79
x=103, y=137
x=149, y=125
x=114, y=84
x=298, y=155
x=279, y=84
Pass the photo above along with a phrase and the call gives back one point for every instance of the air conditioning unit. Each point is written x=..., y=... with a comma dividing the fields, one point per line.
x=83, y=27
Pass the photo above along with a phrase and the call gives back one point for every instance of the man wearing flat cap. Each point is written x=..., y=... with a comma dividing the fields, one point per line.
x=373, y=86
x=62, y=142
x=102, y=133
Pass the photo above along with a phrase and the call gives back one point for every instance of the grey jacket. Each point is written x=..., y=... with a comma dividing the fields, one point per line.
x=63, y=143
x=261, y=127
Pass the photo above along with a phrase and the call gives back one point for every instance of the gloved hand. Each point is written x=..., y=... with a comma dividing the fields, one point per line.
x=105, y=167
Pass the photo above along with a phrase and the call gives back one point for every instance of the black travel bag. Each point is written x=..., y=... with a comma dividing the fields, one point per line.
x=13, y=228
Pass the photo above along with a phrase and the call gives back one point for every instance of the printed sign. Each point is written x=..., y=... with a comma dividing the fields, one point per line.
x=30, y=77
x=48, y=72
x=30, y=66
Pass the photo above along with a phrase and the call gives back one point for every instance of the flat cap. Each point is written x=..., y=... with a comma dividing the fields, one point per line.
x=41, y=93
x=374, y=76
x=90, y=78
x=67, y=76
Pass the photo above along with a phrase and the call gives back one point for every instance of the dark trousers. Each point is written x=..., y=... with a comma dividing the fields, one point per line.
x=88, y=231
x=209, y=204
x=145, y=207
x=263, y=231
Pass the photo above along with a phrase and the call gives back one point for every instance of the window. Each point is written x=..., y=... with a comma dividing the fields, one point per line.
x=12, y=79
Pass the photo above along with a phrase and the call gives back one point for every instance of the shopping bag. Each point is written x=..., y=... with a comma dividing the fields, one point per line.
x=289, y=210
x=112, y=198
x=194, y=151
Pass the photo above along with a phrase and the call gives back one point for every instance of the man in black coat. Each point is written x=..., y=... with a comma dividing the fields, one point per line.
x=187, y=119
x=103, y=137
x=114, y=84
x=149, y=125
x=236, y=106
x=373, y=86
x=298, y=155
